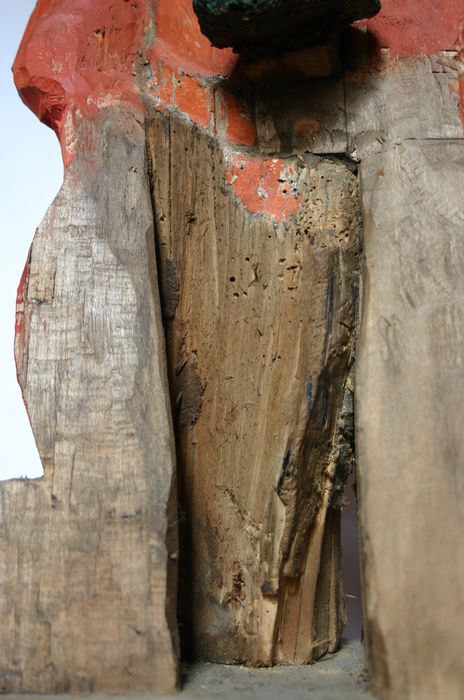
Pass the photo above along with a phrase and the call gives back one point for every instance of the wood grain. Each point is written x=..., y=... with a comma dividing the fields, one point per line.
x=409, y=407
x=88, y=552
x=304, y=117
x=416, y=98
x=260, y=326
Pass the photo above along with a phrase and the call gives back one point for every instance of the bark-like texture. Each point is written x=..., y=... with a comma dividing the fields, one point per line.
x=88, y=552
x=260, y=324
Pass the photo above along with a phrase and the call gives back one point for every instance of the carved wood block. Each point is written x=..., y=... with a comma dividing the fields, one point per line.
x=405, y=123
x=260, y=321
x=88, y=552
x=416, y=98
x=410, y=392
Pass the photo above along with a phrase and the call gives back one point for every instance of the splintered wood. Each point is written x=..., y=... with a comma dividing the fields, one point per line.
x=260, y=324
x=87, y=566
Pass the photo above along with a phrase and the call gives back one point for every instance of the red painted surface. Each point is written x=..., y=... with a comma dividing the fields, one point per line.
x=414, y=27
x=79, y=56
x=461, y=99
x=76, y=55
x=267, y=185
x=240, y=124
x=183, y=61
x=193, y=99
x=21, y=325
x=179, y=41
x=420, y=27
x=89, y=48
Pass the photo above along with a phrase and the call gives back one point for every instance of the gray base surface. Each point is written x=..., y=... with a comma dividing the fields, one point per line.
x=339, y=676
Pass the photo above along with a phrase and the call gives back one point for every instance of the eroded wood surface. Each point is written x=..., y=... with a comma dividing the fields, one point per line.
x=416, y=98
x=88, y=552
x=259, y=314
x=260, y=325
x=409, y=379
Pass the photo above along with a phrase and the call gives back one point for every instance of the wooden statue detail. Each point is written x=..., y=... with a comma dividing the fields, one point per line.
x=260, y=317
x=189, y=307
x=258, y=263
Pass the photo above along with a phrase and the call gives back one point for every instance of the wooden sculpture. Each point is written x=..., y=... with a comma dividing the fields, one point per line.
x=188, y=313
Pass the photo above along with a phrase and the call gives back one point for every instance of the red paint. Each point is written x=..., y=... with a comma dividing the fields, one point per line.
x=79, y=56
x=240, y=124
x=415, y=27
x=76, y=53
x=264, y=185
x=420, y=27
x=186, y=58
x=461, y=99
x=192, y=98
x=179, y=41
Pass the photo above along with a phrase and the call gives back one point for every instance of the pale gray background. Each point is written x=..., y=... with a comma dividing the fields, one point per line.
x=30, y=176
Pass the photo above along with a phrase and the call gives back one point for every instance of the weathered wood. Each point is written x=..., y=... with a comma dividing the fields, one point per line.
x=259, y=296
x=416, y=98
x=410, y=381
x=88, y=552
x=302, y=118
x=260, y=319
x=89, y=333
x=410, y=391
